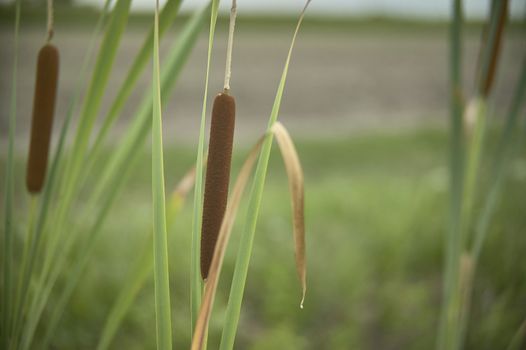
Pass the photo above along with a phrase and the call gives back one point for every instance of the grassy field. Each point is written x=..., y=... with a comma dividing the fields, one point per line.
x=376, y=214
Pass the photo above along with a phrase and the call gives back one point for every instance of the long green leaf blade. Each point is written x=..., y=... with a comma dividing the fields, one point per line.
x=247, y=238
x=160, y=241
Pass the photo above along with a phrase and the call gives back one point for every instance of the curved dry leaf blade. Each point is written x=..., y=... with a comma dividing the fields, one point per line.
x=205, y=311
x=296, y=184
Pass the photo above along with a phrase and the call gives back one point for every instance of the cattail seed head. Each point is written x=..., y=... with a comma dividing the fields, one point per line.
x=217, y=175
x=42, y=122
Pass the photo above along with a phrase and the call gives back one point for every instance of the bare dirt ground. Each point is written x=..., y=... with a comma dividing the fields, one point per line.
x=340, y=82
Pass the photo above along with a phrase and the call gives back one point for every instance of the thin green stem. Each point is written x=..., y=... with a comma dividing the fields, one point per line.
x=457, y=284
x=481, y=231
x=490, y=55
x=456, y=172
x=460, y=303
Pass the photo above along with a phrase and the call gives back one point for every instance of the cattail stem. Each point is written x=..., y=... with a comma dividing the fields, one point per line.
x=217, y=175
x=228, y=68
x=50, y=20
x=43, y=111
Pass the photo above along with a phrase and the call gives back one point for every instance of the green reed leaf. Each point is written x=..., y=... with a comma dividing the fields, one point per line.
x=161, y=274
x=247, y=238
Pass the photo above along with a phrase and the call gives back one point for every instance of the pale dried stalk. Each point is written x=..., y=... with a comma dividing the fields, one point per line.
x=50, y=20
x=228, y=68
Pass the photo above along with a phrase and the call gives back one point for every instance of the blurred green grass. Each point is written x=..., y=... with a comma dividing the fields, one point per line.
x=376, y=215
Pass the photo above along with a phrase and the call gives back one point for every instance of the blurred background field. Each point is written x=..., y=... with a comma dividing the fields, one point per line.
x=376, y=210
x=350, y=74
x=367, y=104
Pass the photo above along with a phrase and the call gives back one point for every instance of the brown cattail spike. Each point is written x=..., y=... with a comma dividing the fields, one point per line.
x=487, y=81
x=217, y=175
x=42, y=123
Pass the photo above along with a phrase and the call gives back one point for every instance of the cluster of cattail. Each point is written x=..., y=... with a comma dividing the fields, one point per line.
x=43, y=111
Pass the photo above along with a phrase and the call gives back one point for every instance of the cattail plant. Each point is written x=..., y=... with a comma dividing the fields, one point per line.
x=260, y=152
x=219, y=159
x=43, y=110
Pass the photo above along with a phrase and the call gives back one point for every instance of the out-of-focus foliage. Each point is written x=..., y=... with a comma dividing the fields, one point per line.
x=374, y=249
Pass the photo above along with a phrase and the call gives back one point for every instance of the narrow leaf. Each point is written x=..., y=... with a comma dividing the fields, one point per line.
x=160, y=241
x=247, y=238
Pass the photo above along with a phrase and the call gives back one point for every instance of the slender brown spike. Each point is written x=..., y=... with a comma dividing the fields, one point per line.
x=487, y=82
x=43, y=111
x=496, y=50
x=217, y=175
